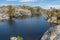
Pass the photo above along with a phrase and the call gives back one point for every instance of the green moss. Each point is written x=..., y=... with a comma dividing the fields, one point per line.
x=19, y=38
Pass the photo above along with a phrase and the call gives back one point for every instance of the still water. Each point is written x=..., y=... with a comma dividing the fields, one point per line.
x=29, y=28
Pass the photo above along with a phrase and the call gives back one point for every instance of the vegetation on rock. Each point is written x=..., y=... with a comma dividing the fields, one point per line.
x=19, y=38
x=10, y=11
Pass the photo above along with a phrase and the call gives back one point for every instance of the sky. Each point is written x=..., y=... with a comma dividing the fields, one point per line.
x=42, y=3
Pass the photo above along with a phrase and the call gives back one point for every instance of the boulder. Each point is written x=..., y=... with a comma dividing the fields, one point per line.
x=52, y=34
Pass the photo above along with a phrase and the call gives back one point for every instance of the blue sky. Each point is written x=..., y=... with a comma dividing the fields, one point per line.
x=42, y=3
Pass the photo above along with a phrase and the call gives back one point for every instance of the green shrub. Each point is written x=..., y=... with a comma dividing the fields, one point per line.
x=19, y=38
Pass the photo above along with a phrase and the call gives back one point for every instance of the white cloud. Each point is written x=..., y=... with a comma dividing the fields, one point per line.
x=30, y=0
x=54, y=6
x=11, y=0
x=6, y=4
x=3, y=4
x=27, y=0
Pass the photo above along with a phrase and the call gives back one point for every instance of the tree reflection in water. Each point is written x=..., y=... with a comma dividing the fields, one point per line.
x=11, y=22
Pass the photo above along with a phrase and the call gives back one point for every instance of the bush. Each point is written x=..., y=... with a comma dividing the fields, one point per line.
x=19, y=38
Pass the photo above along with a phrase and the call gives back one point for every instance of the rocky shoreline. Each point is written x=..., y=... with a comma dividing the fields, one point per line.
x=52, y=34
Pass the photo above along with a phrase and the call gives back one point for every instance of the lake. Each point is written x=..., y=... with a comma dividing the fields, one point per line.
x=29, y=28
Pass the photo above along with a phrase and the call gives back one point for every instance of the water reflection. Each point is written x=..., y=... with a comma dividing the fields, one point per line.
x=28, y=28
x=11, y=22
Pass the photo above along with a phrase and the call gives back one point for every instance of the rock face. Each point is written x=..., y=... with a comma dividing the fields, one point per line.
x=23, y=11
x=18, y=10
x=52, y=20
x=52, y=34
x=13, y=38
